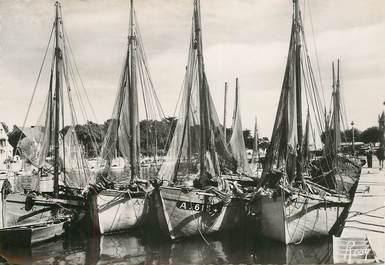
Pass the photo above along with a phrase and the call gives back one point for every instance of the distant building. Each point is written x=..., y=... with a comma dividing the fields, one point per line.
x=6, y=150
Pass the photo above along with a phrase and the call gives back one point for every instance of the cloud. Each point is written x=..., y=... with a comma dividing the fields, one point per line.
x=242, y=38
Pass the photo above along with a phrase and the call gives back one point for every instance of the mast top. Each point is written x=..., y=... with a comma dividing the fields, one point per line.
x=297, y=19
x=131, y=23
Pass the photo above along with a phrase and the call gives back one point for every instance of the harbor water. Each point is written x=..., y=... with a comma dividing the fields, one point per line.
x=141, y=247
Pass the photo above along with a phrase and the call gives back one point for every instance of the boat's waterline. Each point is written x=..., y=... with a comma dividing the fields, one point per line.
x=115, y=210
x=293, y=220
x=183, y=213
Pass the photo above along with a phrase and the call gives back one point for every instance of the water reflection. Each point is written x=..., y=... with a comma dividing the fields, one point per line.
x=316, y=251
x=150, y=248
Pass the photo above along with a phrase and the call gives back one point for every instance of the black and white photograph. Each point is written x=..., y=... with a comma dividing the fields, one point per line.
x=153, y=132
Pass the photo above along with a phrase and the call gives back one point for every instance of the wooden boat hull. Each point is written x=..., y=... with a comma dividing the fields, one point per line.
x=184, y=213
x=19, y=209
x=29, y=234
x=293, y=220
x=115, y=210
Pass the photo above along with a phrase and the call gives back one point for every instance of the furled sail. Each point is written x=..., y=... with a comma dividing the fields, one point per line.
x=289, y=148
x=237, y=142
x=255, y=154
x=305, y=141
x=123, y=134
x=50, y=145
x=118, y=136
x=75, y=169
x=333, y=127
x=283, y=146
x=38, y=138
x=198, y=142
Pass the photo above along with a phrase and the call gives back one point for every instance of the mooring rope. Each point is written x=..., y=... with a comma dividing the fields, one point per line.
x=365, y=223
x=365, y=213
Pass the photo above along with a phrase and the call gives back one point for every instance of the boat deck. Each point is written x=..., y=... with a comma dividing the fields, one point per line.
x=367, y=214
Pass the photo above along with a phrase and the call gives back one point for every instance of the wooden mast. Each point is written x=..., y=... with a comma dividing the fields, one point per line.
x=224, y=111
x=202, y=88
x=133, y=99
x=236, y=101
x=297, y=31
x=58, y=57
x=338, y=110
x=333, y=147
x=256, y=145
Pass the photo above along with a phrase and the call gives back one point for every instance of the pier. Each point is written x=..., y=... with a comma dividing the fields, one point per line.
x=367, y=213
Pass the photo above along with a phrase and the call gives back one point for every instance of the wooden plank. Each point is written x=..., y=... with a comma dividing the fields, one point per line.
x=366, y=215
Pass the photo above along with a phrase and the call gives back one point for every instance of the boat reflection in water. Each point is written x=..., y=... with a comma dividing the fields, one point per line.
x=54, y=252
x=315, y=251
x=136, y=248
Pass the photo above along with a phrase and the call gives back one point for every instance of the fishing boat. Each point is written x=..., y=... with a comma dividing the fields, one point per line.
x=120, y=201
x=26, y=235
x=198, y=189
x=294, y=207
x=334, y=169
x=60, y=172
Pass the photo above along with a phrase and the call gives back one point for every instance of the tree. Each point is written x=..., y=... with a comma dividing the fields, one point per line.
x=163, y=130
x=323, y=135
x=347, y=136
x=91, y=136
x=371, y=135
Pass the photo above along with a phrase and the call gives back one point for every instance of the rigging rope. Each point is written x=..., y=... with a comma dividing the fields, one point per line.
x=38, y=78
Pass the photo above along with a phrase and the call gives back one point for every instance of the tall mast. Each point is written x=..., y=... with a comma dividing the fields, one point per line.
x=333, y=139
x=224, y=111
x=133, y=99
x=202, y=89
x=338, y=110
x=236, y=100
x=256, y=145
x=297, y=33
x=58, y=57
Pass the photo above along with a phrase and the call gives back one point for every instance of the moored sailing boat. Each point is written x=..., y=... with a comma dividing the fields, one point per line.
x=297, y=208
x=196, y=194
x=342, y=170
x=117, y=204
x=53, y=149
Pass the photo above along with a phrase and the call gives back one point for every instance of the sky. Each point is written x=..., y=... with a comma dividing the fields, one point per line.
x=247, y=39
